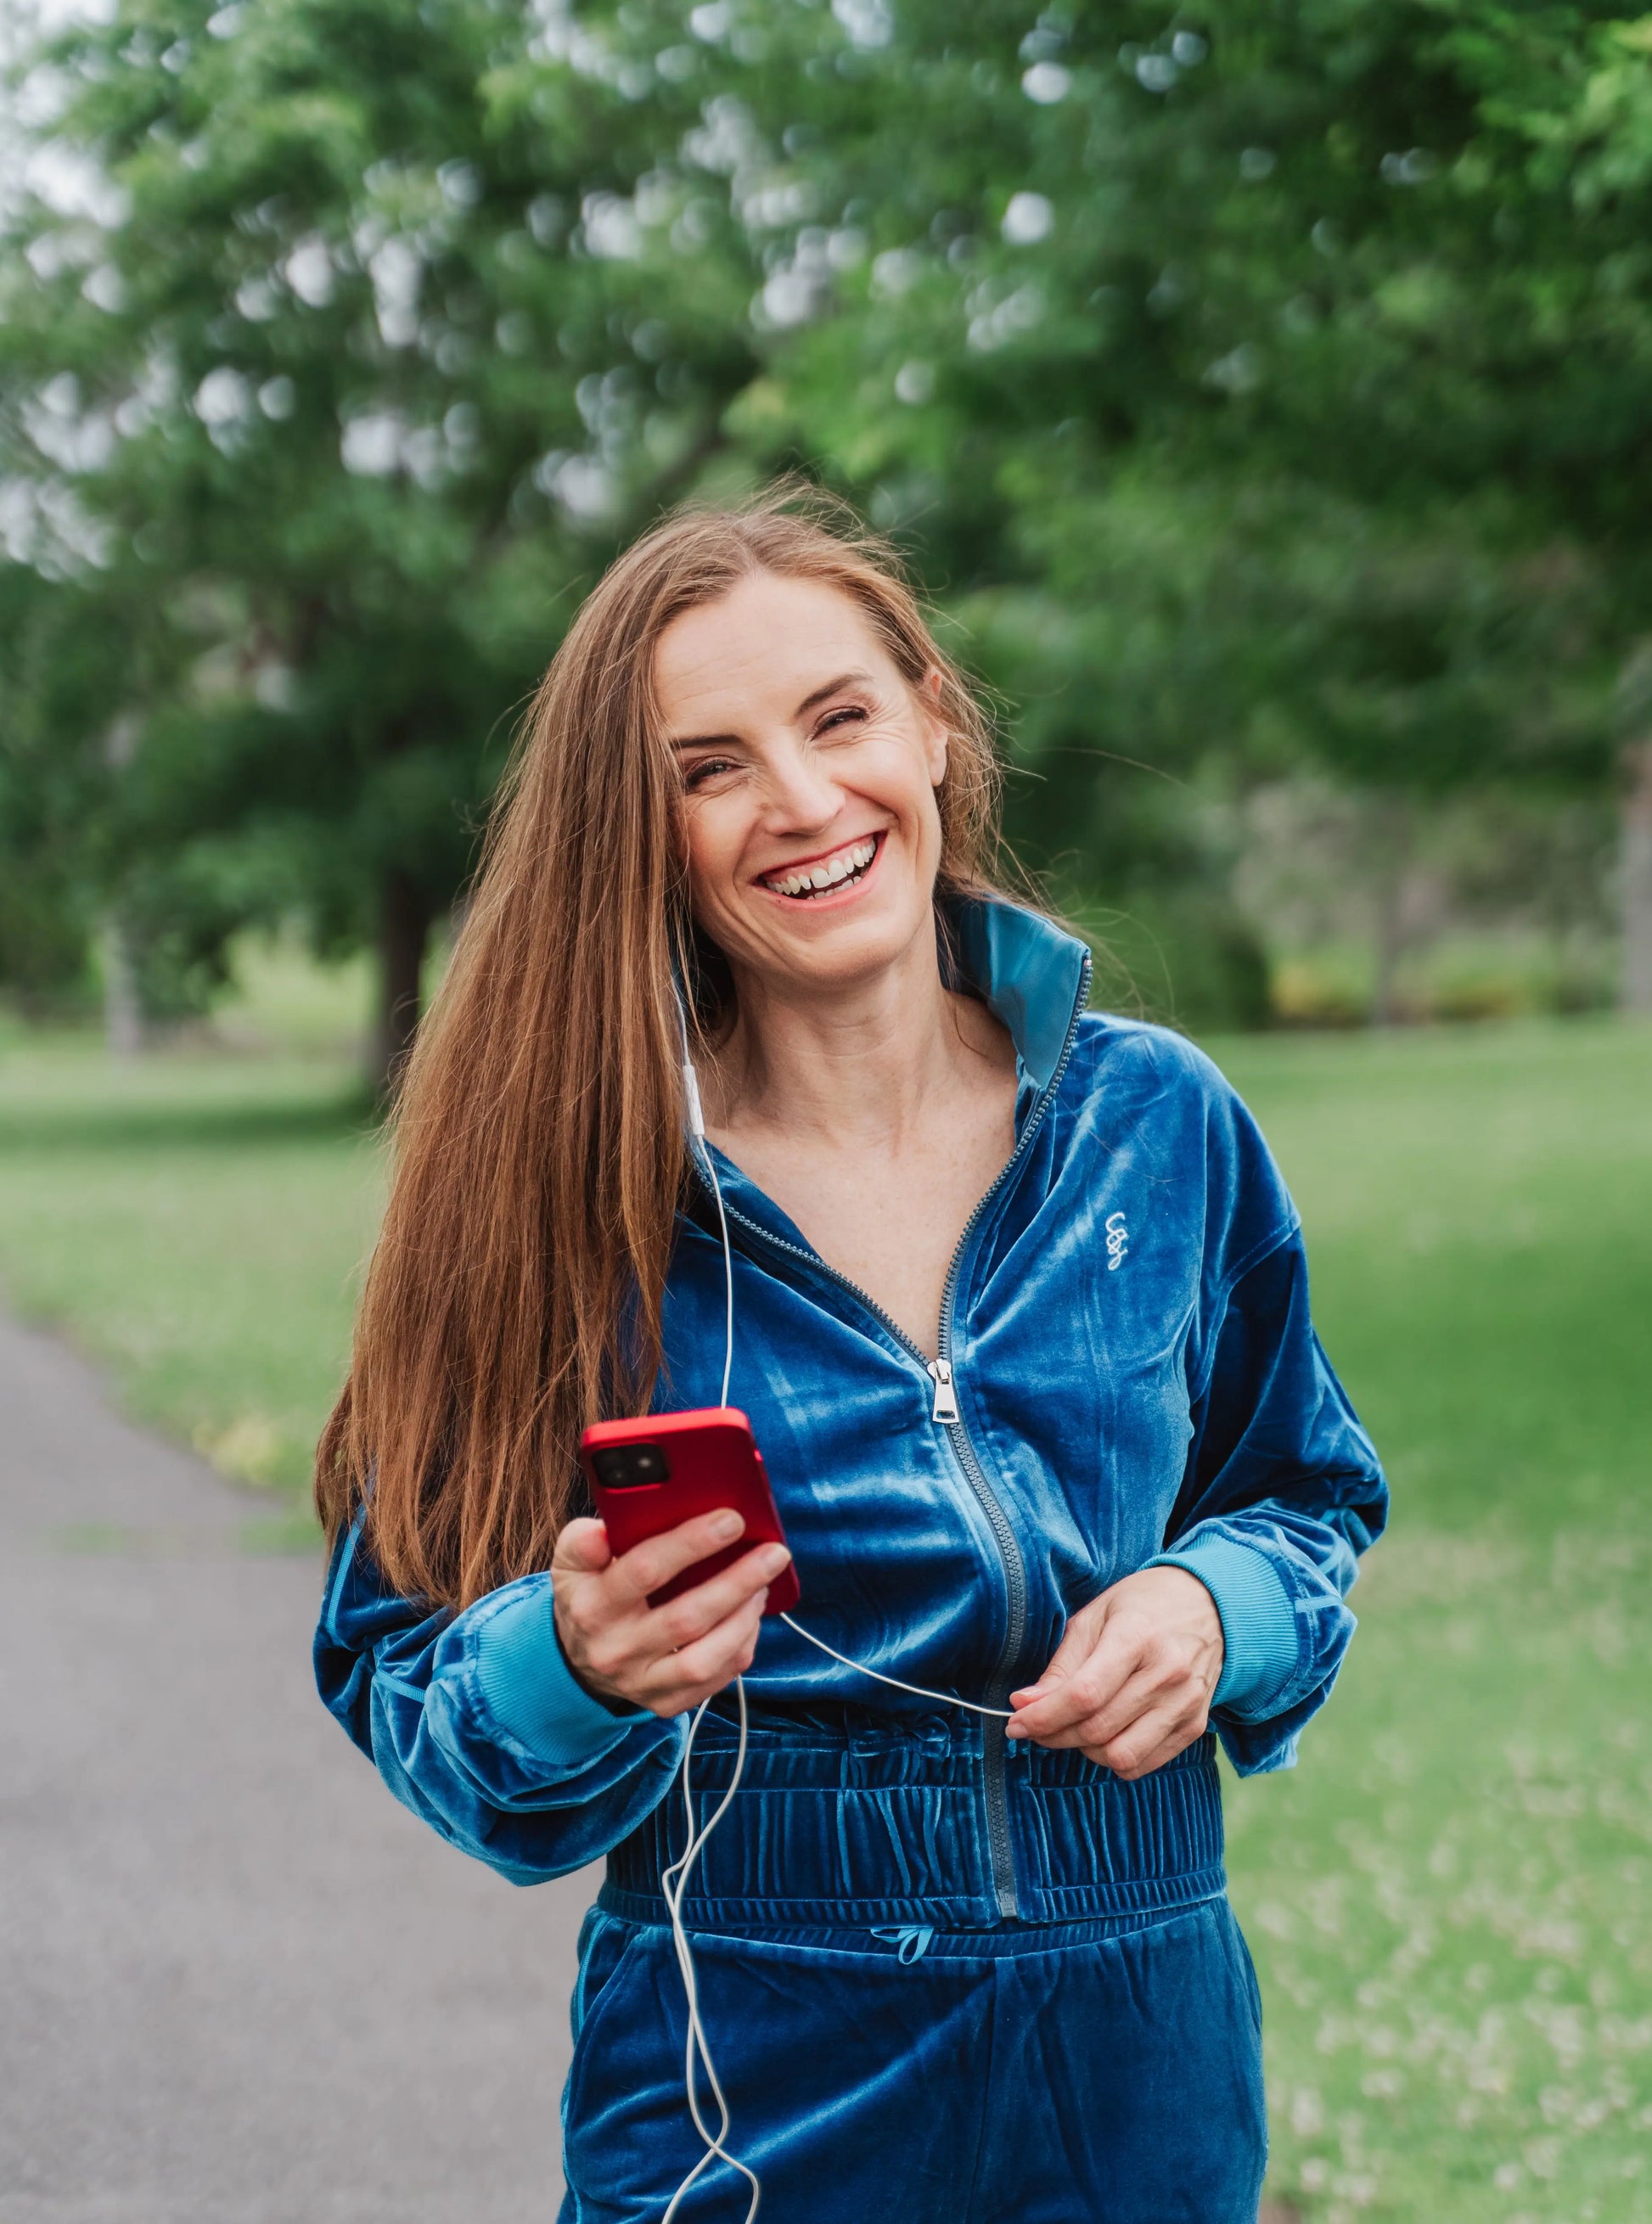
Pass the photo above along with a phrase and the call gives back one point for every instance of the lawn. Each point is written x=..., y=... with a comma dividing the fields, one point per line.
x=1450, y=1900
x=197, y=1221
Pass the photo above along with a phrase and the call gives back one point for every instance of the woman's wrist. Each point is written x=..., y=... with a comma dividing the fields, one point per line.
x=615, y=1701
x=530, y=1688
x=1258, y=1620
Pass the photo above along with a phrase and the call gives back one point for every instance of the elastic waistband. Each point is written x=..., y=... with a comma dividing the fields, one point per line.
x=912, y=1943
x=854, y=1830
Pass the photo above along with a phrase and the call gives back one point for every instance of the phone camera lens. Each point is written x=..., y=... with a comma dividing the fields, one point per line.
x=630, y=1467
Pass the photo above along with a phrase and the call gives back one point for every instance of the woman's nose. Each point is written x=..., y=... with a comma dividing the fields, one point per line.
x=800, y=794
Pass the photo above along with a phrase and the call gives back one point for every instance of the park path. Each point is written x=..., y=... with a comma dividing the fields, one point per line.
x=238, y=1984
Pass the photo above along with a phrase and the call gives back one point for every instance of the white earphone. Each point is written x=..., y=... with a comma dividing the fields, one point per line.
x=674, y=1878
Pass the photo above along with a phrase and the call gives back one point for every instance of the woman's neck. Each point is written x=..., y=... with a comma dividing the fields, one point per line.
x=853, y=1065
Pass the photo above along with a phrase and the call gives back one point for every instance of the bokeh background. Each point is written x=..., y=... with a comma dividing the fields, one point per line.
x=1263, y=397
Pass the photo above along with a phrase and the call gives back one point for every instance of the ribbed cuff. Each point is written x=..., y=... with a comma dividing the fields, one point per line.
x=533, y=1694
x=1259, y=1621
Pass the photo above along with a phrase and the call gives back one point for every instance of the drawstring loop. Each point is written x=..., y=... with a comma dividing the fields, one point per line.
x=911, y=1938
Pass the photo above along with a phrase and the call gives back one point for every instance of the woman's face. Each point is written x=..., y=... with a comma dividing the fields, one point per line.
x=809, y=769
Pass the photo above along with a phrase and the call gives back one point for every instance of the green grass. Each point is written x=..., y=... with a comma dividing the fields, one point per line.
x=1450, y=1900
x=197, y=1221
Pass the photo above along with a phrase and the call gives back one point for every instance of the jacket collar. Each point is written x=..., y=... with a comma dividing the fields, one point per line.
x=1031, y=974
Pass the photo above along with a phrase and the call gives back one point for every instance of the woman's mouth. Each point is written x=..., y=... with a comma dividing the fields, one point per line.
x=827, y=875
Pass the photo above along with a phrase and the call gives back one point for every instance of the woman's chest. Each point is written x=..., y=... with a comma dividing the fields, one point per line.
x=891, y=1223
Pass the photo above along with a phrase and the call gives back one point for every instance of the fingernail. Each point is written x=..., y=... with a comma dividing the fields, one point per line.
x=773, y=1560
x=727, y=1524
x=1014, y=1730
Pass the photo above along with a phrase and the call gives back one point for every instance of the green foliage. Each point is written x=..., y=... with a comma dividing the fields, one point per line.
x=43, y=940
x=381, y=339
x=49, y=780
x=1268, y=387
x=1278, y=348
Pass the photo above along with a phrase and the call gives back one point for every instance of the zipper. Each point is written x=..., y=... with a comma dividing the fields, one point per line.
x=945, y=1404
x=945, y=1411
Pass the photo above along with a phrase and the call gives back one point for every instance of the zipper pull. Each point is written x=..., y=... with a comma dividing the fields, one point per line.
x=945, y=1407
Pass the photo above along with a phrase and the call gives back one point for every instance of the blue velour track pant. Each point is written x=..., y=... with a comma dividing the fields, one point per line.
x=1105, y=2072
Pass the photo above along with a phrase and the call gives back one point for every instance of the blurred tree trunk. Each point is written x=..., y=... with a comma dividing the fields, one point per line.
x=1389, y=949
x=123, y=1033
x=1392, y=828
x=124, y=1028
x=404, y=932
x=1635, y=991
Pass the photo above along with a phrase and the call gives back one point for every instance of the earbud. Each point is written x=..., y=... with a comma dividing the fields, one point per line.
x=691, y=1094
x=690, y=1079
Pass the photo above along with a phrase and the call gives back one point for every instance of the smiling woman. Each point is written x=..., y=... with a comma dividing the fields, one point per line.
x=869, y=1100
x=1027, y=1349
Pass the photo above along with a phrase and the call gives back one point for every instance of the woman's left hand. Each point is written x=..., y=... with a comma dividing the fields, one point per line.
x=1131, y=1682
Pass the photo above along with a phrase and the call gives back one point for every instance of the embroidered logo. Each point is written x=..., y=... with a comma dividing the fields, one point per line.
x=1118, y=1241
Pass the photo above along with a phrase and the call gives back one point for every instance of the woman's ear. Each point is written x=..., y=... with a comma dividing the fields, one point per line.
x=934, y=727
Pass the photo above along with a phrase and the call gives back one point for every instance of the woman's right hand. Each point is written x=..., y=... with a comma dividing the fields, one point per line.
x=668, y=1658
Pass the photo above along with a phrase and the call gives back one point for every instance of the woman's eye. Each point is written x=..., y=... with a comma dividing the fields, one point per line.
x=707, y=768
x=829, y=724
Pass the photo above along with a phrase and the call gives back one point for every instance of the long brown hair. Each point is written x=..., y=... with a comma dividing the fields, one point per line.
x=515, y=1294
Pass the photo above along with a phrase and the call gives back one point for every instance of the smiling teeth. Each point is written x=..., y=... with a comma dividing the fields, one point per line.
x=832, y=872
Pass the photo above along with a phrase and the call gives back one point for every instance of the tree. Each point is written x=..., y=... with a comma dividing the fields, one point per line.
x=347, y=337
x=1286, y=364
x=48, y=780
x=1252, y=390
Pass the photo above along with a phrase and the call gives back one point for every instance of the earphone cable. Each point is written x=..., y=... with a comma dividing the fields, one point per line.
x=696, y=1126
x=728, y=1277
x=697, y=1129
x=674, y=1878
x=946, y=1698
x=673, y=1882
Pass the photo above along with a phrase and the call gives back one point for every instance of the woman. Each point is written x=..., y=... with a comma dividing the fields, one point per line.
x=1022, y=1331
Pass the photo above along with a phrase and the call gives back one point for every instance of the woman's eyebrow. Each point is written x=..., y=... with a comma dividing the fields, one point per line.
x=818, y=695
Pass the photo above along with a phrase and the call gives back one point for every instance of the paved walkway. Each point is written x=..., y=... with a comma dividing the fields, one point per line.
x=238, y=1984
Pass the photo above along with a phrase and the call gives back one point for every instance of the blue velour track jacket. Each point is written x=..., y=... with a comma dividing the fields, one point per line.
x=1127, y=1376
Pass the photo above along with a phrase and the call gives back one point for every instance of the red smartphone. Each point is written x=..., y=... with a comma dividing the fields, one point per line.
x=651, y=1474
